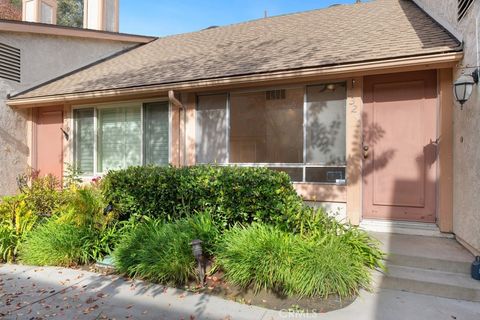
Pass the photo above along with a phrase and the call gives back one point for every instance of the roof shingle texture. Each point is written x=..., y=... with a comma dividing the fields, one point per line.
x=376, y=30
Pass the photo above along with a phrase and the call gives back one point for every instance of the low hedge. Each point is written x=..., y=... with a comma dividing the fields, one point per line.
x=232, y=194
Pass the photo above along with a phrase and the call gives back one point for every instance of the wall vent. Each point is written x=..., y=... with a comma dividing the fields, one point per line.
x=9, y=63
x=275, y=94
x=463, y=6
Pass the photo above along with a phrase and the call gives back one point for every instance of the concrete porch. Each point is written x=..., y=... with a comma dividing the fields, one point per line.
x=431, y=265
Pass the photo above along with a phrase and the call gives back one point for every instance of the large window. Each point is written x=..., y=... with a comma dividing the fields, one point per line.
x=211, y=129
x=115, y=137
x=300, y=131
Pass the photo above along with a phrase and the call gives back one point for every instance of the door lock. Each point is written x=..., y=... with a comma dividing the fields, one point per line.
x=365, y=152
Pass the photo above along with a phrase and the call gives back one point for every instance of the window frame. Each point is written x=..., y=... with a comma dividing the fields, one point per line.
x=117, y=104
x=303, y=165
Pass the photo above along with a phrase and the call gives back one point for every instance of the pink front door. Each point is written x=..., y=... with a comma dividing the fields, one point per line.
x=399, y=146
x=49, y=141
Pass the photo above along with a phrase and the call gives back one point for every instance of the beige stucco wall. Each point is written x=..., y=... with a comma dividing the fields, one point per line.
x=466, y=190
x=43, y=57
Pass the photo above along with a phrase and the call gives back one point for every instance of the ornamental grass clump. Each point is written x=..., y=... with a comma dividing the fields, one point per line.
x=161, y=252
x=322, y=268
x=260, y=256
x=56, y=244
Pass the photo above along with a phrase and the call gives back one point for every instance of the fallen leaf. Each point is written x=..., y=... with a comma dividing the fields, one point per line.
x=90, y=300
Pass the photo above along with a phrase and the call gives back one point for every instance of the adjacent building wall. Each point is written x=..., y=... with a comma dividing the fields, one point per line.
x=43, y=57
x=466, y=149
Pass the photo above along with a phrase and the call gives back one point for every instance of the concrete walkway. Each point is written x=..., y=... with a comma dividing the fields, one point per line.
x=58, y=293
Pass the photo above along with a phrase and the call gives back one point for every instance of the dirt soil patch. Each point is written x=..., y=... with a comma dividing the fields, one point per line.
x=216, y=285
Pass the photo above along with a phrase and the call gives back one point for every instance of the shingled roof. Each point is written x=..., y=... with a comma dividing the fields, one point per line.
x=376, y=30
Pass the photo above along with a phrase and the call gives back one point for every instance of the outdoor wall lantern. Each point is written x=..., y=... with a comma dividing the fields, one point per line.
x=463, y=87
x=198, y=254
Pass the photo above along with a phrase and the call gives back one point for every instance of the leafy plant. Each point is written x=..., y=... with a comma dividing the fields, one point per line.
x=71, y=177
x=57, y=244
x=43, y=195
x=316, y=224
x=86, y=208
x=16, y=221
x=101, y=243
x=265, y=257
x=234, y=194
x=161, y=252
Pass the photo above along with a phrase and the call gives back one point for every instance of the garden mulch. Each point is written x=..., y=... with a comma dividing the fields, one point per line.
x=216, y=285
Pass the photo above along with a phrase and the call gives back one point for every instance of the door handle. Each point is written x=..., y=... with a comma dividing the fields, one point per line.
x=365, y=152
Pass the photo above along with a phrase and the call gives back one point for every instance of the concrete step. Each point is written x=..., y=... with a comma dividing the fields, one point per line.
x=454, y=266
x=403, y=227
x=430, y=253
x=430, y=282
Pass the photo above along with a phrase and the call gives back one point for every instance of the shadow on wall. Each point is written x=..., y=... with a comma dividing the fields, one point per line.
x=12, y=143
x=373, y=134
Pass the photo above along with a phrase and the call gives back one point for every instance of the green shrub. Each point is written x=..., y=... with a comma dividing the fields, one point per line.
x=57, y=244
x=364, y=246
x=264, y=257
x=16, y=221
x=327, y=267
x=318, y=225
x=43, y=195
x=86, y=209
x=235, y=194
x=161, y=252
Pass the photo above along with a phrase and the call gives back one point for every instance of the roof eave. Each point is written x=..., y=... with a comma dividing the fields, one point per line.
x=56, y=30
x=431, y=61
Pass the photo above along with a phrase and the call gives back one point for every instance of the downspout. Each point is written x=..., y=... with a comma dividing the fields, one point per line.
x=477, y=18
x=175, y=102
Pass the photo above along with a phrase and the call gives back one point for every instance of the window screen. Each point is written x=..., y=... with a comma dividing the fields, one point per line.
x=30, y=11
x=211, y=129
x=326, y=124
x=266, y=130
x=84, y=140
x=156, y=133
x=47, y=13
x=110, y=15
x=120, y=139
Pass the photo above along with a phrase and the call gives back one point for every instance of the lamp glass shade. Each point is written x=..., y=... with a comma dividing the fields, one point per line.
x=463, y=88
